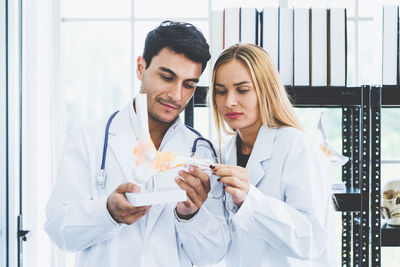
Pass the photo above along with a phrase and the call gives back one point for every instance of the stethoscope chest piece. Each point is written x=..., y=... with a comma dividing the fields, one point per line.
x=101, y=179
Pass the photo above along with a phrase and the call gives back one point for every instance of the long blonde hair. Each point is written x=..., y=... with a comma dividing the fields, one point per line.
x=275, y=107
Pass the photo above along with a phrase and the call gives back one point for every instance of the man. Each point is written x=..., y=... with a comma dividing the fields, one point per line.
x=99, y=223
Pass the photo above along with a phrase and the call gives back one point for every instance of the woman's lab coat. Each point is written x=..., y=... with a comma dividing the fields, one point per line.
x=286, y=218
x=78, y=220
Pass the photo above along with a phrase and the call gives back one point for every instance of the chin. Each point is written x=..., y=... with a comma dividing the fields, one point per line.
x=166, y=118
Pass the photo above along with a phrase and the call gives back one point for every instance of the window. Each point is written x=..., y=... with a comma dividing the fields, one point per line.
x=100, y=41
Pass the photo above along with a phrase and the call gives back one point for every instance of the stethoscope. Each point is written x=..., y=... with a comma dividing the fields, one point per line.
x=101, y=178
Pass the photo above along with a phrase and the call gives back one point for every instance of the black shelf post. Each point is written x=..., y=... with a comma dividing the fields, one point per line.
x=356, y=153
x=347, y=143
x=376, y=102
x=365, y=176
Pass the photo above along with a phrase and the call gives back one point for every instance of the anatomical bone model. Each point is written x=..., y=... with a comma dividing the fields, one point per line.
x=149, y=161
x=391, y=202
x=335, y=158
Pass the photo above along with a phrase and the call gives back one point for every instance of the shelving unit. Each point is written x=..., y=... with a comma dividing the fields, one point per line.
x=354, y=201
x=390, y=236
x=382, y=97
x=362, y=234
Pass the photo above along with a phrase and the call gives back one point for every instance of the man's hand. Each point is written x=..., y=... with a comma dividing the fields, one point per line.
x=197, y=185
x=119, y=207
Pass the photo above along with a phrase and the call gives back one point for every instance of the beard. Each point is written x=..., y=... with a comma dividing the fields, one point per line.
x=157, y=118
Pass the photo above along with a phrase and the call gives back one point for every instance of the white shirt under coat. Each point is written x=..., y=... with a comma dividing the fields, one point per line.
x=78, y=220
x=287, y=216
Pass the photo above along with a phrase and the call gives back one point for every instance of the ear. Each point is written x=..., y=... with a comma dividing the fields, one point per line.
x=140, y=67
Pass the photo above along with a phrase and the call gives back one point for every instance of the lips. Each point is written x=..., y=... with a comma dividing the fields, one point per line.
x=168, y=106
x=233, y=115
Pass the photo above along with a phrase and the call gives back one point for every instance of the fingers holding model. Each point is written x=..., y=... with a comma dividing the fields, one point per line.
x=196, y=183
x=119, y=207
x=236, y=181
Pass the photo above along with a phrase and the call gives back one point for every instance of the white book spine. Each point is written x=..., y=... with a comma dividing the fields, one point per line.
x=248, y=25
x=338, y=47
x=217, y=31
x=231, y=26
x=319, y=51
x=389, y=45
x=286, y=45
x=270, y=32
x=301, y=47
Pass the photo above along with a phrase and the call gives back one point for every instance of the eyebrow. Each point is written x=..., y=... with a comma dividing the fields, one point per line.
x=167, y=70
x=235, y=84
x=164, y=69
x=240, y=83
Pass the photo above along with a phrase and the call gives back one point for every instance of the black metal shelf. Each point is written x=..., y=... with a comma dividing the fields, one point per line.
x=354, y=202
x=390, y=236
x=347, y=200
x=306, y=96
x=391, y=96
x=324, y=96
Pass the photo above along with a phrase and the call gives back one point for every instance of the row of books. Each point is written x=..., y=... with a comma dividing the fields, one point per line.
x=309, y=46
x=390, y=45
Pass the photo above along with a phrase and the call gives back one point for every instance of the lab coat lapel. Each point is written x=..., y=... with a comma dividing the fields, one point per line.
x=262, y=151
x=155, y=211
x=152, y=217
x=229, y=154
x=122, y=140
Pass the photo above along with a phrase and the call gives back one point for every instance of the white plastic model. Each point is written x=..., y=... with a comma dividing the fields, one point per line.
x=149, y=162
x=335, y=159
x=156, y=197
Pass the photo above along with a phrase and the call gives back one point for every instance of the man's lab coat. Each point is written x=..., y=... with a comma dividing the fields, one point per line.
x=78, y=220
x=286, y=218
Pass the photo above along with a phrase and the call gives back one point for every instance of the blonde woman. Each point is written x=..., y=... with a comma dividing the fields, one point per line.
x=275, y=179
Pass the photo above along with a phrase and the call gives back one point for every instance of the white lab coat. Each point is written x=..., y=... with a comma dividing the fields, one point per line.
x=78, y=220
x=286, y=218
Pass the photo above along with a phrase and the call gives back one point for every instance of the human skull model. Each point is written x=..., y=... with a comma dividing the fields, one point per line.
x=391, y=202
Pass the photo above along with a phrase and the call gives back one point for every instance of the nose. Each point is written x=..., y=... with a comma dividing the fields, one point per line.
x=231, y=99
x=175, y=92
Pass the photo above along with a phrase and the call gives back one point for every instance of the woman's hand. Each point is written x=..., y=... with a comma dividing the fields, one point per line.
x=236, y=181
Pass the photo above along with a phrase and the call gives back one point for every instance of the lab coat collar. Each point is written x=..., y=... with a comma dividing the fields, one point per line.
x=262, y=150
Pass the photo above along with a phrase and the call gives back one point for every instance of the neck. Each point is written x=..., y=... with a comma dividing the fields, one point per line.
x=157, y=131
x=248, y=136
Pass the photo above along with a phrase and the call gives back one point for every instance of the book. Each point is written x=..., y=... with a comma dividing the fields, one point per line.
x=248, y=25
x=301, y=19
x=231, y=26
x=319, y=47
x=217, y=31
x=286, y=45
x=270, y=32
x=337, y=74
x=390, y=45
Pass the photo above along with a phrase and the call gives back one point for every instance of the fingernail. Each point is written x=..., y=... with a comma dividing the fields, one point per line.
x=180, y=173
x=191, y=169
x=212, y=166
x=219, y=179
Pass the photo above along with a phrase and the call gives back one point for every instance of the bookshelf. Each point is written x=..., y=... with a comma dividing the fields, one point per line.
x=387, y=96
x=354, y=201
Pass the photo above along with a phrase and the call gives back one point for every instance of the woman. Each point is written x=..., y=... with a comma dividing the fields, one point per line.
x=275, y=179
